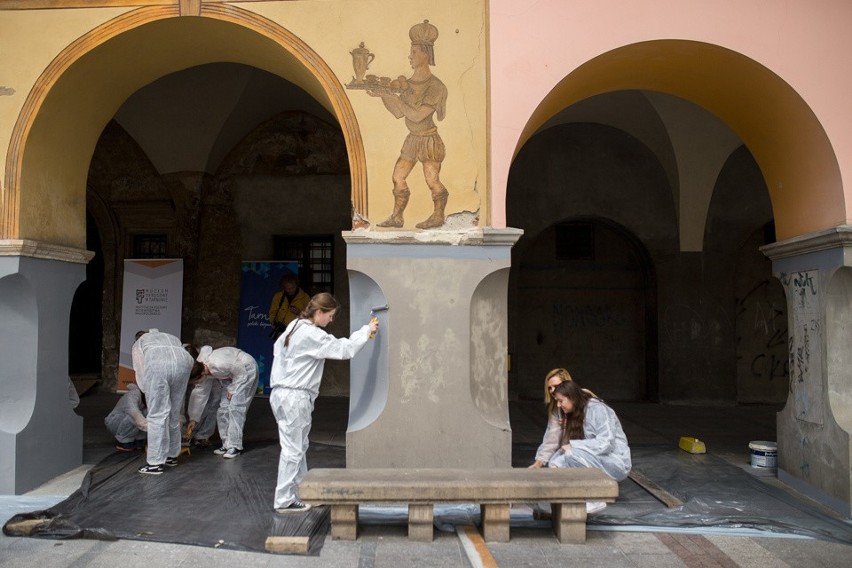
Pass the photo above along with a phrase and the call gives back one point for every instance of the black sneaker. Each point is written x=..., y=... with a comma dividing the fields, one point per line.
x=125, y=446
x=232, y=453
x=151, y=469
x=171, y=462
x=220, y=451
x=295, y=507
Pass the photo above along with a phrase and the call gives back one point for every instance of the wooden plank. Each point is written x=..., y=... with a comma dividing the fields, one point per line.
x=658, y=492
x=475, y=548
x=287, y=544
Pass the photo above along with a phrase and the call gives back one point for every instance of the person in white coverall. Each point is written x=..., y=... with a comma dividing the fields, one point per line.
x=585, y=432
x=299, y=356
x=162, y=368
x=237, y=372
x=127, y=420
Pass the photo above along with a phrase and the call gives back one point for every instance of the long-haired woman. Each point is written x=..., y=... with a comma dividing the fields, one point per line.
x=299, y=357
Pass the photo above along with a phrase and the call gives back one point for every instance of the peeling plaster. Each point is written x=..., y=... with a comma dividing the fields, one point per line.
x=431, y=283
x=422, y=367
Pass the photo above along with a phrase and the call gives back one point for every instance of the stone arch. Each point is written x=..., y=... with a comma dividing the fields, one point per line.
x=595, y=315
x=65, y=111
x=770, y=117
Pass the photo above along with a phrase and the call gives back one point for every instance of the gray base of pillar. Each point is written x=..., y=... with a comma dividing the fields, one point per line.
x=40, y=434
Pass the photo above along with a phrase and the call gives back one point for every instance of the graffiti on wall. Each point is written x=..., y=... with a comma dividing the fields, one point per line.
x=571, y=316
x=762, y=335
x=805, y=345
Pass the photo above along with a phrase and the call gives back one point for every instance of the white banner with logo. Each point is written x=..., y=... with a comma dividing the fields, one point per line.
x=152, y=297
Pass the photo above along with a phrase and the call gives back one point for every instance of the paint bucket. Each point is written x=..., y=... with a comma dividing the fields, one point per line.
x=763, y=454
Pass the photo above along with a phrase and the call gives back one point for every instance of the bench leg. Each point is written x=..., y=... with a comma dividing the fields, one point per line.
x=344, y=522
x=569, y=522
x=495, y=522
x=420, y=519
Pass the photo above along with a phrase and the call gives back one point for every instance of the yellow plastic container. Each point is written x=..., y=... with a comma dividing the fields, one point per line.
x=692, y=445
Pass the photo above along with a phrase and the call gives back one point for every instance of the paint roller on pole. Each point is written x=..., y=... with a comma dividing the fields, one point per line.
x=373, y=312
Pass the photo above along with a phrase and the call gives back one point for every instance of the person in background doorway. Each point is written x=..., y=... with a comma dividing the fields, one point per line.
x=127, y=420
x=237, y=372
x=298, y=360
x=287, y=303
x=163, y=368
x=590, y=436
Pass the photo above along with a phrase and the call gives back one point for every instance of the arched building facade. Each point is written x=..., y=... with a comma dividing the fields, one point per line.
x=651, y=195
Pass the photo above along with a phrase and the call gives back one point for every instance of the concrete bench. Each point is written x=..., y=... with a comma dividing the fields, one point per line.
x=567, y=490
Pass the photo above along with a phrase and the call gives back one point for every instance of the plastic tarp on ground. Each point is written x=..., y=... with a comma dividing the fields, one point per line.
x=205, y=501
x=210, y=501
x=715, y=493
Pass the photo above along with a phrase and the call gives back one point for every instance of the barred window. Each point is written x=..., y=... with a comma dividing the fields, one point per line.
x=315, y=254
x=149, y=246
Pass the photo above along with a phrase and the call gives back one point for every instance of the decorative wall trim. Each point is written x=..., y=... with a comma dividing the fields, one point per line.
x=37, y=249
x=65, y=4
x=840, y=236
x=477, y=236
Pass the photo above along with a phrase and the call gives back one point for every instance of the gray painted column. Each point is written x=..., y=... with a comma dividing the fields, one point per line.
x=814, y=443
x=40, y=435
x=431, y=390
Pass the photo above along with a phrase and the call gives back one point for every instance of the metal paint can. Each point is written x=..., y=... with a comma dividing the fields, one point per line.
x=763, y=454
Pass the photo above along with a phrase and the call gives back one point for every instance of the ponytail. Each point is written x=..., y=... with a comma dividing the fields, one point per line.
x=322, y=302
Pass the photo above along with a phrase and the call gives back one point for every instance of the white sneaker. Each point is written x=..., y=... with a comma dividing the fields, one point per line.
x=594, y=506
x=295, y=507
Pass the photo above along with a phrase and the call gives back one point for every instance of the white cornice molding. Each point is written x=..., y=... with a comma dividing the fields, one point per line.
x=38, y=249
x=840, y=236
x=484, y=236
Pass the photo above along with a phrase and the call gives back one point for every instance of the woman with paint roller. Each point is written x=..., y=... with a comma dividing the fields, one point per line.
x=583, y=432
x=298, y=360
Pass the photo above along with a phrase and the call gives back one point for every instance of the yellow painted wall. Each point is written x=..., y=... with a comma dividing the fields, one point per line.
x=29, y=41
x=333, y=29
x=80, y=103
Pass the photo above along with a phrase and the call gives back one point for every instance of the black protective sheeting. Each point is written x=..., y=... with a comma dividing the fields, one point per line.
x=208, y=499
x=715, y=493
x=205, y=501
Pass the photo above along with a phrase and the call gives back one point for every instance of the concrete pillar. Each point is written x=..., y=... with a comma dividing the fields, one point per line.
x=432, y=390
x=814, y=444
x=40, y=435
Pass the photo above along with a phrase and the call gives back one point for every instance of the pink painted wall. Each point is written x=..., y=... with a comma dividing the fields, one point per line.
x=536, y=43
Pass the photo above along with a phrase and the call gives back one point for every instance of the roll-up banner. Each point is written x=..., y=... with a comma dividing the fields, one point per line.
x=260, y=281
x=152, y=297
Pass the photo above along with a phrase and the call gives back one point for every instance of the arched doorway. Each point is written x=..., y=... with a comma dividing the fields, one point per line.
x=85, y=341
x=588, y=252
x=66, y=111
x=585, y=300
